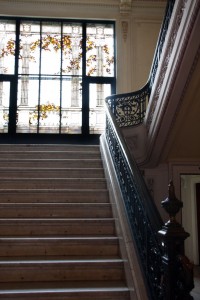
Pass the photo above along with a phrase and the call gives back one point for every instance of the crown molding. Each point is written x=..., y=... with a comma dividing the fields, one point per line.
x=124, y=5
x=113, y=3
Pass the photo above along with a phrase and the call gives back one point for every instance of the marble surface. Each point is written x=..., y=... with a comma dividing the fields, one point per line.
x=196, y=291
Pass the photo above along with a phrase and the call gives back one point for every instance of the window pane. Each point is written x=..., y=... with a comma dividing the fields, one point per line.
x=71, y=105
x=51, y=48
x=98, y=93
x=72, y=49
x=49, y=108
x=27, y=104
x=100, y=50
x=4, y=106
x=29, y=62
x=7, y=47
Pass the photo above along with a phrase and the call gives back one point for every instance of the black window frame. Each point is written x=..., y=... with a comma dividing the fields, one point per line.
x=86, y=80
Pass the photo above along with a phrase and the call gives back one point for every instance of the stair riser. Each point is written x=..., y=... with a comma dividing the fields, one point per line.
x=52, y=173
x=49, y=228
x=52, y=147
x=53, y=196
x=49, y=155
x=56, y=211
x=75, y=271
x=76, y=163
x=74, y=295
x=53, y=183
x=48, y=248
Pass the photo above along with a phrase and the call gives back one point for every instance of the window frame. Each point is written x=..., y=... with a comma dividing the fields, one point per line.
x=86, y=80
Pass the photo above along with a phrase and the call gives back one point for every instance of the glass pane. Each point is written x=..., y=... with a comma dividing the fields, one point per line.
x=29, y=58
x=100, y=50
x=4, y=106
x=27, y=104
x=72, y=49
x=49, y=107
x=51, y=48
x=98, y=93
x=7, y=47
x=71, y=105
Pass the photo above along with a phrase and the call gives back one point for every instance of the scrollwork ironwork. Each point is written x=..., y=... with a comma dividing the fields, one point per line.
x=145, y=236
x=130, y=108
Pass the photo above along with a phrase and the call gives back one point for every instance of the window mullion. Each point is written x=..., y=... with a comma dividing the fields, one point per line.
x=85, y=86
x=13, y=98
x=61, y=77
x=39, y=78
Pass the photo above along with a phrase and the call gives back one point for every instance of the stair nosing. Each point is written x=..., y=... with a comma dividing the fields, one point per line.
x=67, y=287
x=60, y=261
x=79, y=238
x=54, y=190
x=57, y=219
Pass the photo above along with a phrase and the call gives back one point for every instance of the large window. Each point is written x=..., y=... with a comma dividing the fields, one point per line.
x=61, y=72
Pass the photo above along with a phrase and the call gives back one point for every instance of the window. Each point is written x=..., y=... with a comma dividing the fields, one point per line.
x=61, y=72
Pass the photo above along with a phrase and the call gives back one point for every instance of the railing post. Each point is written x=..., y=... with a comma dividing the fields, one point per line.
x=177, y=269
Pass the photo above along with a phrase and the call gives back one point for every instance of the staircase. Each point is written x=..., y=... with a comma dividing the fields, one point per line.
x=57, y=232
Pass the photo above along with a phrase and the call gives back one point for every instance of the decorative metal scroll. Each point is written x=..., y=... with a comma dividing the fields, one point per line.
x=130, y=109
x=141, y=212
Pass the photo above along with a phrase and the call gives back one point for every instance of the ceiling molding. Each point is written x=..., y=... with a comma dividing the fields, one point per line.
x=124, y=5
x=65, y=2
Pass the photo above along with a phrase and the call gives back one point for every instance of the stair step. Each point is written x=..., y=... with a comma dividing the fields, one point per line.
x=101, y=290
x=53, y=183
x=49, y=227
x=54, y=195
x=51, y=163
x=48, y=147
x=55, y=210
x=61, y=270
x=51, y=172
x=60, y=246
x=57, y=232
x=49, y=154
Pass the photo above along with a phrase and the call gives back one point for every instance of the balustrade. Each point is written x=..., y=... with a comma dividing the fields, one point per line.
x=129, y=109
x=167, y=271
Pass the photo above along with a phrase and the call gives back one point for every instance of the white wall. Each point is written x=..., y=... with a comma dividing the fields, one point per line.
x=157, y=181
x=189, y=215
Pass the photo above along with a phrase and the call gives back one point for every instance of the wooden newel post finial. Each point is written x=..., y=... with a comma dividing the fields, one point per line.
x=177, y=269
x=171, y=204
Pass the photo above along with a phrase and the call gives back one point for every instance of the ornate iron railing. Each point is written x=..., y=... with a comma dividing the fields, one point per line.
x=140, y=208
x=167, y=271
x=130, y=108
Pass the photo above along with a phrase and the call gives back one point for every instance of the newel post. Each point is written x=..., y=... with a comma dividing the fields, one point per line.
x=177, y=269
